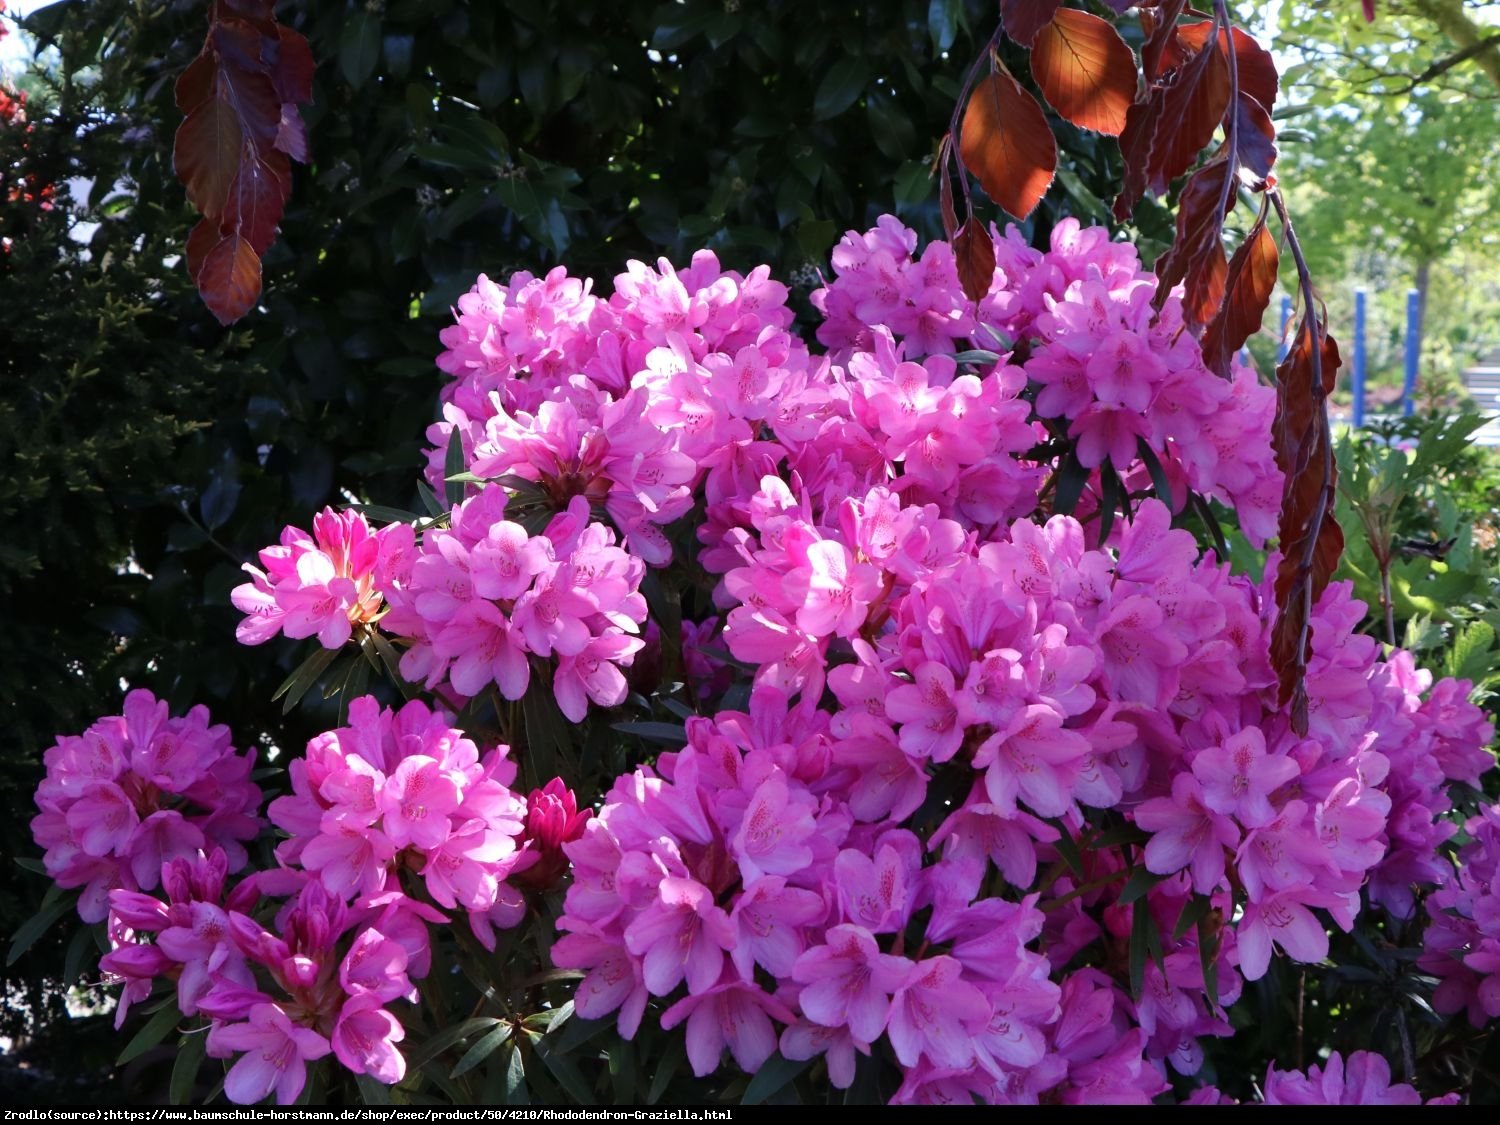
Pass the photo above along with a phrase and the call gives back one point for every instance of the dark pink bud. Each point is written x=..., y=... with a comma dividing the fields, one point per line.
x=552, y=820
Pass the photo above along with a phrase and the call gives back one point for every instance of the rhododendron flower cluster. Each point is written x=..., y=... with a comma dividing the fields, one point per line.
x=1462, y=940
x=403, y=790
x=1080, y=323
x=138, y=790
x=982, y=771
x=1053, y=678
x=393, y=802
x=322, y=584
x=1364, y=1080
x=482, y=598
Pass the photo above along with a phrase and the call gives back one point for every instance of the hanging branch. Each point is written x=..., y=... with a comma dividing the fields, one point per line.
x=1310, y=537
x=1198, y=80
x=233, y=152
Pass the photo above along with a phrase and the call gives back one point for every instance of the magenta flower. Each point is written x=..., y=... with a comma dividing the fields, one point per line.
x=276, y=1055
x=417, y=799
x=1186, y=832
x=1238, y=777
x=937, y=1014
x=733, y=1014
x=849, y=982
x=365, y=1038
x=773, y=835
x=1364, y=1080
x=681, y=935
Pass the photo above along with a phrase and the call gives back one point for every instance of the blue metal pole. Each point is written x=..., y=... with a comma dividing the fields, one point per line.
x=1359, y=358
x=1413, y=349
x=1286, y=315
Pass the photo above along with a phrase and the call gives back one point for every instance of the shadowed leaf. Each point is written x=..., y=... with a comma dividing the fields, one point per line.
x=230, y=279
x=1252, y=276
x=974, y=252
x=1022, y=19
x=1310, y=538
x=1196, y=255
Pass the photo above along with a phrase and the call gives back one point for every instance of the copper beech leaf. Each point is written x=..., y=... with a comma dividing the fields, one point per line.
x=1160, y=28
x=1254, y=141
x=1309, y=537
x=1007, y=143
x=240, y=99
x=1252, y=276
x=258, y=196
x=945, y=198
x=1165, y=132
x=974, y=252
x=1196, y=256
x=204, y=236
x=1255, y=67
x=229, y=279
x=206, y=154
x=1022, y=19
x=1085, y=70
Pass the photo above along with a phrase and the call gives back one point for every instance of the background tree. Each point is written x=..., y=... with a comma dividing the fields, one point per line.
x=1392, y=160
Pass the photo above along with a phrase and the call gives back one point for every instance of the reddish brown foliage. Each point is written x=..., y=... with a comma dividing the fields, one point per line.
x=1252, y=276
x=1085, y=70
x=1309, y=536
x=239, y=98
x=1006, y=142
x=1022, y=19
x=974, y=252
x=1196, y=255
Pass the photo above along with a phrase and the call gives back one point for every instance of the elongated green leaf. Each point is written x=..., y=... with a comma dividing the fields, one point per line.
x=566, y=1071
x=1068, y=849
x=774, y=1074
x=372, y=1091
x=38, y=924
x=482, y=1050
x=1141, y=925
x=466, y=478
x=548, y=734
x=515, y=1078
x=430, y=501
x=381, y=512
x=672, y=734
x=295, y=686
x=453, y=467
x=157, y=1028
x=1208, y=953
x=26, y=863
x=623, y=1071
x=666, y=1069
x=977, y=356
x=1072, y=477
x=80, y=949
x=419, y=1057
x=1112, y=497
x=577, y=1032
x=185, y=1069
x=1119, y=834
x=1141, y=880
x=1192, y=912
x=391, y=660
x=1153, y=464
